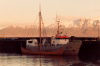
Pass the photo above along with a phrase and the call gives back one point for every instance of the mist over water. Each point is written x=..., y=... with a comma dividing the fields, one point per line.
x=81, y=30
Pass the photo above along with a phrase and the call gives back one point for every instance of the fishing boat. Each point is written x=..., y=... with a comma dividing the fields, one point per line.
x=54, y=46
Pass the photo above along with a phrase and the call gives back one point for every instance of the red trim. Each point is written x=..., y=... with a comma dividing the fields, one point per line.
x=62, y=37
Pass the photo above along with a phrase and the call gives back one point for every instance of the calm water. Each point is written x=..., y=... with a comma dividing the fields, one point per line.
x=18, y=60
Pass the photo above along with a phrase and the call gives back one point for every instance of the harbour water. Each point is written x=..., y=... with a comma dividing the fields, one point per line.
x=25, y=60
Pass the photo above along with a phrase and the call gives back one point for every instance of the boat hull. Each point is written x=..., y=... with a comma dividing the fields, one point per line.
x=59, y=51
x=73, y=48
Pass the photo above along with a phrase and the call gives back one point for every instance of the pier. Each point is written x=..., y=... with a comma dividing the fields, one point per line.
x=89, y=46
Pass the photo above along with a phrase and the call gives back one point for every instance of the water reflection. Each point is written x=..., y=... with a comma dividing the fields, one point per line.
x=17, y=60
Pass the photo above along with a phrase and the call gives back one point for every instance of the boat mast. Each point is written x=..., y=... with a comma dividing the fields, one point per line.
x=58, y=21
x=40, y=19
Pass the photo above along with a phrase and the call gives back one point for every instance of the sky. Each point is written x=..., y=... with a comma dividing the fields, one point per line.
x=25, y=12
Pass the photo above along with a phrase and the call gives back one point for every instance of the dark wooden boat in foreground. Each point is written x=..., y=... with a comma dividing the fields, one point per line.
x=56, y=46
x=58, y=51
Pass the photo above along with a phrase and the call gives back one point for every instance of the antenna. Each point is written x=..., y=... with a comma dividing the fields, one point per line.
x=58, y=21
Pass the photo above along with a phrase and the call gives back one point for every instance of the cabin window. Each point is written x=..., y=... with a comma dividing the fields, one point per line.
x=30, y=41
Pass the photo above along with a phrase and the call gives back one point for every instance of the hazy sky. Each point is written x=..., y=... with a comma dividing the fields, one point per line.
x=23, y=12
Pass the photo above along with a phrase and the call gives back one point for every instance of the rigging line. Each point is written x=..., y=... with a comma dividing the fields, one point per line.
x=25, y=31
x=44, y=29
